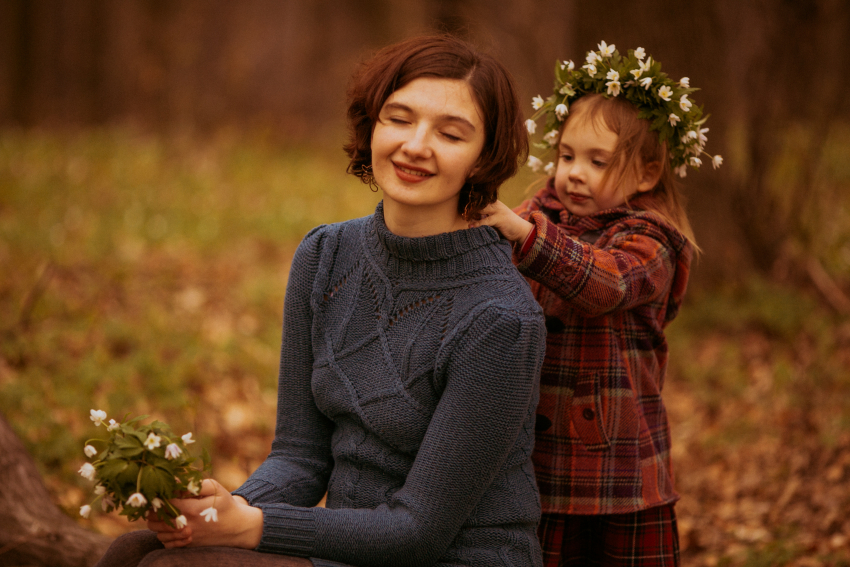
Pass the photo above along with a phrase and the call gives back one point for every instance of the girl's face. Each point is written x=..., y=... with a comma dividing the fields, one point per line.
x=585, y=152
x=425, y=145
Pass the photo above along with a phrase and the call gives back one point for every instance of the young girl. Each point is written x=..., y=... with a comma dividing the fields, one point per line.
x=607, y=247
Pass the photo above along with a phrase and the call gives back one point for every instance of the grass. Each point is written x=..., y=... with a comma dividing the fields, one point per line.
x=147, y=276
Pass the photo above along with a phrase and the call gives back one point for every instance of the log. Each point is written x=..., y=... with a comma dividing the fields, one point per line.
x=33, y=530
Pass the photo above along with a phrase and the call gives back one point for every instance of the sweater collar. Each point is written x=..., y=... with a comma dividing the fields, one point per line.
x=450, y=252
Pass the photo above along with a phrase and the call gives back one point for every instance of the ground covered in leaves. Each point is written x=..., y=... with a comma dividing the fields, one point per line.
x=147, y=277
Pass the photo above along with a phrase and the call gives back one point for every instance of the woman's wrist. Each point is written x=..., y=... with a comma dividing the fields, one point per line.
x=251, y=520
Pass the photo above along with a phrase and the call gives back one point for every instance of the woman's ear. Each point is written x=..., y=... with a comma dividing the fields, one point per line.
x=649, y=176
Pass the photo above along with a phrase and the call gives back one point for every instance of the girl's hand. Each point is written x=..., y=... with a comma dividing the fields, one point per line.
x=502, y=218
x=238, y=525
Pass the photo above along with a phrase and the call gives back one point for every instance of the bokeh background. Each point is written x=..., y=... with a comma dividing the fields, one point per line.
x=161, y=159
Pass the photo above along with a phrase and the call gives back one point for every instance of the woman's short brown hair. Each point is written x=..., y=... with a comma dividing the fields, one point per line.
x=445, y=57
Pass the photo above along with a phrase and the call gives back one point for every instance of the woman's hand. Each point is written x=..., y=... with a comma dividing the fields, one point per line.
x=238, y=525
x=502, y=218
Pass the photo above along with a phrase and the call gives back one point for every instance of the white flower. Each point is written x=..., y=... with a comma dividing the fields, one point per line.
x=637, y=73
x=592, y=58
x=685, y=82
x=561, y=111
x=113, y=425
x=210, y=514
x=665, y=92
x=568, y=65
x=691, y=135
x=646, y=82
x=106, y=502
x=530, y=125
x=716, y=161
x=153, y=441
x=137, y=500
x=193, y=487
x=640, y=53
x=90, y=451
x=552, y=137
x=682, y=171
x=156, y=504
x=613, y=75
x=172, y=451
x=85, y=511
x=696, y=162
x=97, y=416
x=606, y=50
x=87, y=471
x=537, y=102
x=187, y=439
x=550, y=168
x=702, y=137
x=535, y=164
x=673, y=119
x=180, y=521
x=99, y=490
x=613, y=87
x=591, y=69
x=684, y=103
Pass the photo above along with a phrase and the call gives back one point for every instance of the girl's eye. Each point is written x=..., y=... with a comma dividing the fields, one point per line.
x=598, y=163
x=566, y=157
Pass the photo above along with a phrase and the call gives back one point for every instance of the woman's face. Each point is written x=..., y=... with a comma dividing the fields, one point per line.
x=426, y=143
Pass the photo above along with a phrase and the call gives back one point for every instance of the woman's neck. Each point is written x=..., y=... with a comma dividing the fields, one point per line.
x=416, y=221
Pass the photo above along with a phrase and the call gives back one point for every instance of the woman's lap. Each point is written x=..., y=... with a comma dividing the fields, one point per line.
x=142, y=548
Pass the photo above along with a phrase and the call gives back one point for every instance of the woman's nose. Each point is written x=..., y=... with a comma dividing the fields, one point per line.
x=418, y=144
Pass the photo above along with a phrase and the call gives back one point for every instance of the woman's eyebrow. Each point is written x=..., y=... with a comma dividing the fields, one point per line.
x=443, y=117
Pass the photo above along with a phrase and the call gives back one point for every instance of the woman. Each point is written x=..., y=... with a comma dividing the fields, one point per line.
x=411, y=348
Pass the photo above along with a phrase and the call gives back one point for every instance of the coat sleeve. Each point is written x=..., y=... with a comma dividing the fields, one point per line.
x=490, y=366
x=634, y=267
x=299, y=465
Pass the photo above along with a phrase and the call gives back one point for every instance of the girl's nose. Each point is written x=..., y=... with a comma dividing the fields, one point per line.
x=575, y=172
x=418, y=143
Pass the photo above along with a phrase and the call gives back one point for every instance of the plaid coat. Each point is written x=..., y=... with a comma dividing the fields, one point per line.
x=609, y=283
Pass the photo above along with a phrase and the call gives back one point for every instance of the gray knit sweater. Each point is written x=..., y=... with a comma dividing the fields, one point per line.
x=408, y=387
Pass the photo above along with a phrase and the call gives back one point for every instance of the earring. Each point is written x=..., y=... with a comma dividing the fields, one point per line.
x=367, y=177
x=465, y=214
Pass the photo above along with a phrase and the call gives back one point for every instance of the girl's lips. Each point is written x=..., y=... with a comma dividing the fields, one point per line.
x=411, y=174
x=576, y=198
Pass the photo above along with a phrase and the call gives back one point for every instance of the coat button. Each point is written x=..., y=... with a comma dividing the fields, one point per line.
x=543, y=423
x=554, y=325
x=588, y=414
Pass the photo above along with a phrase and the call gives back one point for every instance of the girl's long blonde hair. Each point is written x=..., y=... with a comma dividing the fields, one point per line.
x=637, y=146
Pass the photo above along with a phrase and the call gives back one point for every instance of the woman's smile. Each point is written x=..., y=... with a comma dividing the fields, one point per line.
x=410, y=173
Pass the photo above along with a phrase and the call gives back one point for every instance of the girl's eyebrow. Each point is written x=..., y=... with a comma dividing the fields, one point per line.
x=564, y=146
x=442, y=117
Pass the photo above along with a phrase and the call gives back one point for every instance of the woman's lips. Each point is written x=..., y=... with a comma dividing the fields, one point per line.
x=411, y=174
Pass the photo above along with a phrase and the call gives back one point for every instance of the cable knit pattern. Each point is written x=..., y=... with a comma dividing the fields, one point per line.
x=408, y=384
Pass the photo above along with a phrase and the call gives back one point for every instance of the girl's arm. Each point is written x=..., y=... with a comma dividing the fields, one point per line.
x=636, y=266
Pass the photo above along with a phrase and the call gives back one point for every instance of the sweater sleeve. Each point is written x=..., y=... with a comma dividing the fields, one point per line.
x=634, y=267
x=298, y=467
x=490, y=365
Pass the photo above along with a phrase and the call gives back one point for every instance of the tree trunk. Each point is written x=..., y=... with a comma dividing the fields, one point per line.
x=33, y=530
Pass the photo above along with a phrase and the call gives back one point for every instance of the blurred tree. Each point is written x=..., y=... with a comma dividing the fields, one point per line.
x=33, y=531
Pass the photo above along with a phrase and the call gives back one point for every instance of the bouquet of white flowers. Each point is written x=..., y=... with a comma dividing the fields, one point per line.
x=141, y=468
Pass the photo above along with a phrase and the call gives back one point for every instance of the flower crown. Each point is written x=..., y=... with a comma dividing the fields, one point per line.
x=639, y=80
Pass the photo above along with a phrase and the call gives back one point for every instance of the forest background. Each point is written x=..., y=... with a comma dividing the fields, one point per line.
x=161, y=159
